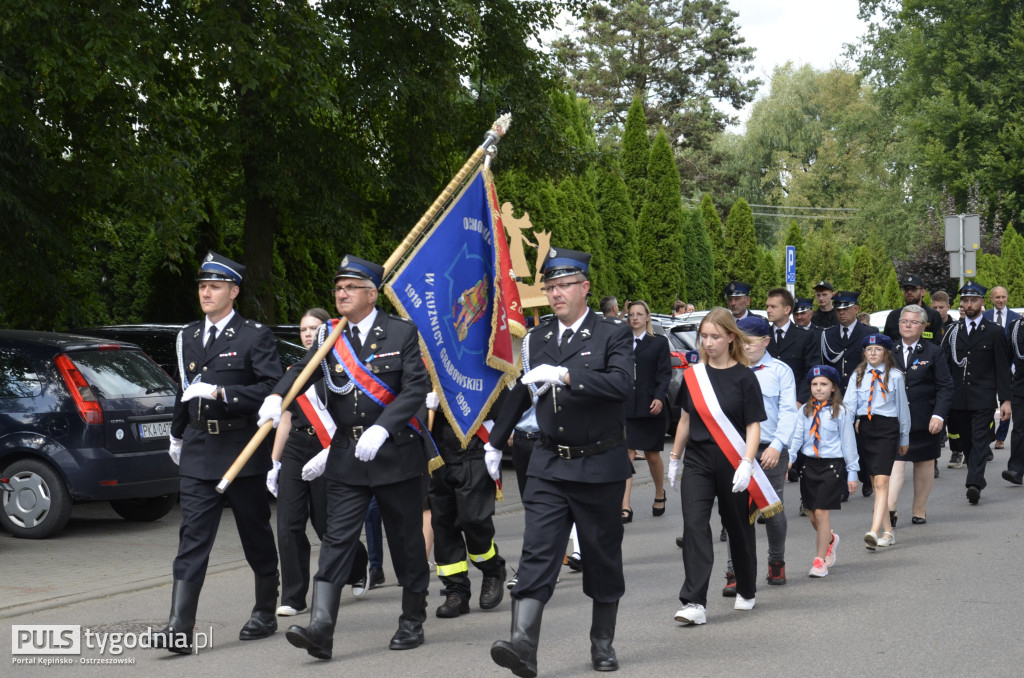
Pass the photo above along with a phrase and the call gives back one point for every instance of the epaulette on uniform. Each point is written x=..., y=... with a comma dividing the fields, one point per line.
x=398, y=317
x=543, y=323
x=802, y=327
x=253, y=323
x=614, y=321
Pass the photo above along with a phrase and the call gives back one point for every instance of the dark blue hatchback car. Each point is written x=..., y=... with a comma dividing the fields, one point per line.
x=81, y=419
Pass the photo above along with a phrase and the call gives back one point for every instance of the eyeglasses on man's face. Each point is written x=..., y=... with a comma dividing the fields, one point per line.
x=560, y=287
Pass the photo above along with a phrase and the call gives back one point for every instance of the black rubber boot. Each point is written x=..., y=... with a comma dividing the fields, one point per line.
x=520, y=654
x=410, y=624
x=177, y=635
x=318, y=638
x=602, y=633
x=263, y=622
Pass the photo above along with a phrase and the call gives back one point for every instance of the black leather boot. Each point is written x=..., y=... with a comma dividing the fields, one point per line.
x=410, y=624
x=492, y=589
x=263, y=622
x=318, y=638
x=177, y=635
x=456, y=594
x=602, y=632
x=520, y=654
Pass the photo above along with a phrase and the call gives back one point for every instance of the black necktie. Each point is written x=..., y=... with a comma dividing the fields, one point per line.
x=999, y=317
x=846, y=333
x=357, y=345
x=566, y=336
x=973, y=327
x=212, y=338
x=778, y=336
x=907, y=359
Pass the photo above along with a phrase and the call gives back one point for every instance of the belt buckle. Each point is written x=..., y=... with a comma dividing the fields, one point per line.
x=564, y=451
x=213, y=426
x=357, y=432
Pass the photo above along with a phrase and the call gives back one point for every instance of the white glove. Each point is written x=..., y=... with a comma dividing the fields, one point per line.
x=546, y=374
x=314, y=468
x=200, y=390
x=370, y=442
x=741, y=478
x=432, y=401
x=270, y=410
x=175, y=450
x=272, y=477
x=492, y=459
x=673, y=472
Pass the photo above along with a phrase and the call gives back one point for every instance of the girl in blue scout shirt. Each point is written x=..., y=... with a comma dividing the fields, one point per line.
x=878, y=397
x=824, y=434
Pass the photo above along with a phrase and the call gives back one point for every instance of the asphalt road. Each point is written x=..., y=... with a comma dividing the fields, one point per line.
x=945, y=600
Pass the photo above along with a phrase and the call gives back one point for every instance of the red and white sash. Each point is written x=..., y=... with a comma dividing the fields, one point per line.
x=762, y=496
x=316, y=411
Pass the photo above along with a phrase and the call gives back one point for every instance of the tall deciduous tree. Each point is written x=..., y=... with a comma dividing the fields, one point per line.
x=660, y=229
x=679, y=56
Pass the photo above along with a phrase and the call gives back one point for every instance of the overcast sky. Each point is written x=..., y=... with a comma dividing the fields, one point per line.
x=802, y=31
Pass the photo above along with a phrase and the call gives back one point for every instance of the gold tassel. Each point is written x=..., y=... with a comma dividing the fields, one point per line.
x=498, y=496
x=435, y=463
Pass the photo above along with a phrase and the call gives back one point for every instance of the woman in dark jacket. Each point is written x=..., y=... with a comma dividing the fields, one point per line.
x=647, y=406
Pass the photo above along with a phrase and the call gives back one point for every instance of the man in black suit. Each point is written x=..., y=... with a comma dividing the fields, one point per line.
x=792, y=344
x=979, y=361
x=929, y=394
x=227, y=366
x=826, y=315
x=1014, y=472
x=377, y=451
x=913, y=293
x=582, y=368
x=1004, y=317
x=840, y=345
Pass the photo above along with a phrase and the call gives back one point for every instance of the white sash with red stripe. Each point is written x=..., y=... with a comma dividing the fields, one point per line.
x=762, y=494
x=316, y=411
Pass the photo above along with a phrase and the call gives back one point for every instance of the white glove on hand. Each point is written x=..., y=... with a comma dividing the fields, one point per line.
x=270, y=410
x=272, y=477
x=175, y=450
x=370, y=442
x=741, y=478
x=673, y=472
x=200, y=390
x=314, y=468
x=545, y=374
x=432, y=401
x=492, y=459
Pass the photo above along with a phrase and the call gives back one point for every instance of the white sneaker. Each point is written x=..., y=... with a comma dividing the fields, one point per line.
x=359, y=588
x=871, y=541
x=691, y=613
x=744, y=603
x=288, y=611
x=830, y=555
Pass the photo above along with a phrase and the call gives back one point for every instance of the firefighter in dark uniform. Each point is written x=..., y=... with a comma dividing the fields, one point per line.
x=825, y=317
x=979, y=359
x=582, y=368
x=802, y=312
x=461, y=496
x=840, y=345
x=227, y=366
x=913, y=293
x=377, y=451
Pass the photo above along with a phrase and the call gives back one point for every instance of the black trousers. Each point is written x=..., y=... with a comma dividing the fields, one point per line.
x=401, y=509
x=1016, y=462
x=522, y=450
x=201, y=509
x=461, y=498
x=705, y=477
x=551, y=508
x=974, y=427
x=299, y=501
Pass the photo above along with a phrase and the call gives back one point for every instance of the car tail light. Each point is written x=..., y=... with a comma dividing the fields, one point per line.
x=85, y=400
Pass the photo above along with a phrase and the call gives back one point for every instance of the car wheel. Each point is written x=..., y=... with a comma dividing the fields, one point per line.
x=145, y=509
x=38, y=505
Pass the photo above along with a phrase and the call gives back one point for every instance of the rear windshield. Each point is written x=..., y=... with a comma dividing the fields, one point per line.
x=18, y=378
x=121, y=374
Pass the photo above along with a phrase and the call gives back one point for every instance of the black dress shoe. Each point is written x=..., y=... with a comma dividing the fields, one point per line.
x=918, y=521
x=1013, y=477
x=867, y=490
x=973, y=494
x=262, y=624
x=408, y=635
x=679, y=542
x=376, y=578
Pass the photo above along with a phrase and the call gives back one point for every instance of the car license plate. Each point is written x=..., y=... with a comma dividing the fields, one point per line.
x=156, y=429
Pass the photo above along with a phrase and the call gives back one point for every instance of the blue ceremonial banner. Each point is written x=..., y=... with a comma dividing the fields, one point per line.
x=451, y=286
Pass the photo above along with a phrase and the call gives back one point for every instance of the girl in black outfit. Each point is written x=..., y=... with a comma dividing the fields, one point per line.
x=708, y=473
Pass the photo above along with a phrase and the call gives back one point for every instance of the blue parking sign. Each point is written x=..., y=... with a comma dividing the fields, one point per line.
x=790, y=265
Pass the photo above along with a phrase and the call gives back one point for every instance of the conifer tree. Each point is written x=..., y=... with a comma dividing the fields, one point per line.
x=713, y=226
x=660, y=228
x=741, y=253
x=700, y=271
x=625, y=277
x=636, y=154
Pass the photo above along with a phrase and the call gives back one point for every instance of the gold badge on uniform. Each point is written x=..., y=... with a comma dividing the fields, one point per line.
x=339, y=368
x=373, y=347
x=191, y=367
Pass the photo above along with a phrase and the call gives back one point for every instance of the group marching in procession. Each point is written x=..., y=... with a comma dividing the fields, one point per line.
x=816, y=398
